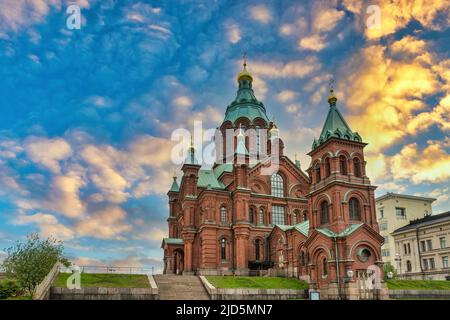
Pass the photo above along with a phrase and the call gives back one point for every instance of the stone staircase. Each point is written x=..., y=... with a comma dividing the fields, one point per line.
x=176, y=287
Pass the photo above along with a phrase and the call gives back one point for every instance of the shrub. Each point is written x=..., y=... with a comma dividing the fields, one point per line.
x=8, y=288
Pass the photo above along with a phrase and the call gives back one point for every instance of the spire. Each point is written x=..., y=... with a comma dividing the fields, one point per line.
x=190, y=159
x=332, y=98
x=174, y=187
x=297, y=162
x=274, y=133
x=335, y=124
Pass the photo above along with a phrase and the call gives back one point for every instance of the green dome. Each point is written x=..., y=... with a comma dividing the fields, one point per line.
x=245, y=105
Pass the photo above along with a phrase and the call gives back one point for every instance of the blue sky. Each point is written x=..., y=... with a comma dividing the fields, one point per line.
x=87, y=115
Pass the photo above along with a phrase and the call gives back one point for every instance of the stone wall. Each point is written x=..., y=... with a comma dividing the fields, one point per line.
x=419, y=294
x=252, y=294
x=100, y=293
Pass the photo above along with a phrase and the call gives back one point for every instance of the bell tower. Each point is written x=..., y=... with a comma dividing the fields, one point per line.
x=341, y=193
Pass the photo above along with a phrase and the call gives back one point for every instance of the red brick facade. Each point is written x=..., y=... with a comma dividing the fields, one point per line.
x=314, y=225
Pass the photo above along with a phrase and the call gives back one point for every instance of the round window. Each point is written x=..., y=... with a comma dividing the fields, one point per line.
x=364, y=254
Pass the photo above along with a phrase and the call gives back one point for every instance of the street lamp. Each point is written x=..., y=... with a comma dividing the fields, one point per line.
x=399, y=262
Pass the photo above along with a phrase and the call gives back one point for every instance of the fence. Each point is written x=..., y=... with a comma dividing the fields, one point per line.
x=41, y=292
x=111, y=269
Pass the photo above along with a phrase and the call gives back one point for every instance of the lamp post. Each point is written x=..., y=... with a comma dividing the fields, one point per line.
x=398, y=259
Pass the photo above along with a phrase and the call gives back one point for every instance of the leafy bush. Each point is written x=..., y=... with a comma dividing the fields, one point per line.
x=8, y=288
x=31, y=261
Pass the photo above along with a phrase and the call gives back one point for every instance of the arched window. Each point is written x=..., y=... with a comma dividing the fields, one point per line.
x=261, y=216
x=324, y=216
x=277, y=185
x=223, y=215
x=355, y=213
x=317, y=170
x=357, y=167
x=295, y=217
x=343, y=165
x=408, y=266
x=302, y=258
x=257, y=244
x=327, y=167
x=223, y=249
x=405, y=249
x=252, y=216
x=325, y=267
x=305, y=216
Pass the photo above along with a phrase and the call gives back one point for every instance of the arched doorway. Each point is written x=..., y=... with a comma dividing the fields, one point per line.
x=178, y=261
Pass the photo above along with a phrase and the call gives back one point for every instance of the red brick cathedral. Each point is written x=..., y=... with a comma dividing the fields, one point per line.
x=319, y=225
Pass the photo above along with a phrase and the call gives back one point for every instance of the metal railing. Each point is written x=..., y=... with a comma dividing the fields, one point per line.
x=112, y=269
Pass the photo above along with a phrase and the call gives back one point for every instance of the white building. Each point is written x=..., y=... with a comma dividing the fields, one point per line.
x=395, y=211
x=423, y=249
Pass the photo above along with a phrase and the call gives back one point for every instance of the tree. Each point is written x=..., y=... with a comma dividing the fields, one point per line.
x=31, y=261
x=388, y=267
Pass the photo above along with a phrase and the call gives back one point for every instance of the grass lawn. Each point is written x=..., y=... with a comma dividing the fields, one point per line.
x=418, y=284
x=106, y=280
x=231, y=282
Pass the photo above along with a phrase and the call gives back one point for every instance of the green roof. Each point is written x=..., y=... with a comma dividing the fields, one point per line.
x=335, y=126
x=245, y=104
x=173, y=241
x=207, y=179
x=350, y=229
x=174, y=187
x=301, y=227
x=226, y=167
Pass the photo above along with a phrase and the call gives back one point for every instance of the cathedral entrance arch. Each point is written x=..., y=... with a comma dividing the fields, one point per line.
x=178, y=261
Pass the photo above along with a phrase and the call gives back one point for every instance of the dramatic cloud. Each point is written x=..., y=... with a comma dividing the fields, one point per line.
x=48, y=225
x=260, y=13
x=48, y=152
x=314, y=43
x=107, y=223
x=292, y=69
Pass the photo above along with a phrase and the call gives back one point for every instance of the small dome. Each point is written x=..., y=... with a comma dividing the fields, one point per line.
x=243, y=74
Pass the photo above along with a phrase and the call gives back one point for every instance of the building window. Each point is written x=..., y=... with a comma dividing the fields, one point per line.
x=400, y=213
x=429, y=245
x=408, y=266
x=405, y=248
x=257, y=249
x=425, y=264
x=277, y=215
x=327, y=167
x=357, y=167
x=252, y=216
x=432, y=265
x=295, y=217
x=303, y=260
x=343, y=165
x=383, y=226
x=277, y=185
x=325, y=267
x=443, y=242
x=422, y=246
x=223, y=215
x=354, y=209
x=223, y=249
x=445, y=262
x=409, y=248
x=386, y=240
x=261, y=216
x=385, y=252
x=381, y=213
x=317, y=170
x=305, y=216
x=324, y=216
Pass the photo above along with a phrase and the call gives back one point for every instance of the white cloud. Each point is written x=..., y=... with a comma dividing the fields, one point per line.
x=260, y=13
x=233, y=33
x=48, y=224
x=48, y=152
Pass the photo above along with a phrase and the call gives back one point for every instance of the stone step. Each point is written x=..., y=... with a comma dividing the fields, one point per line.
x=176, y=287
